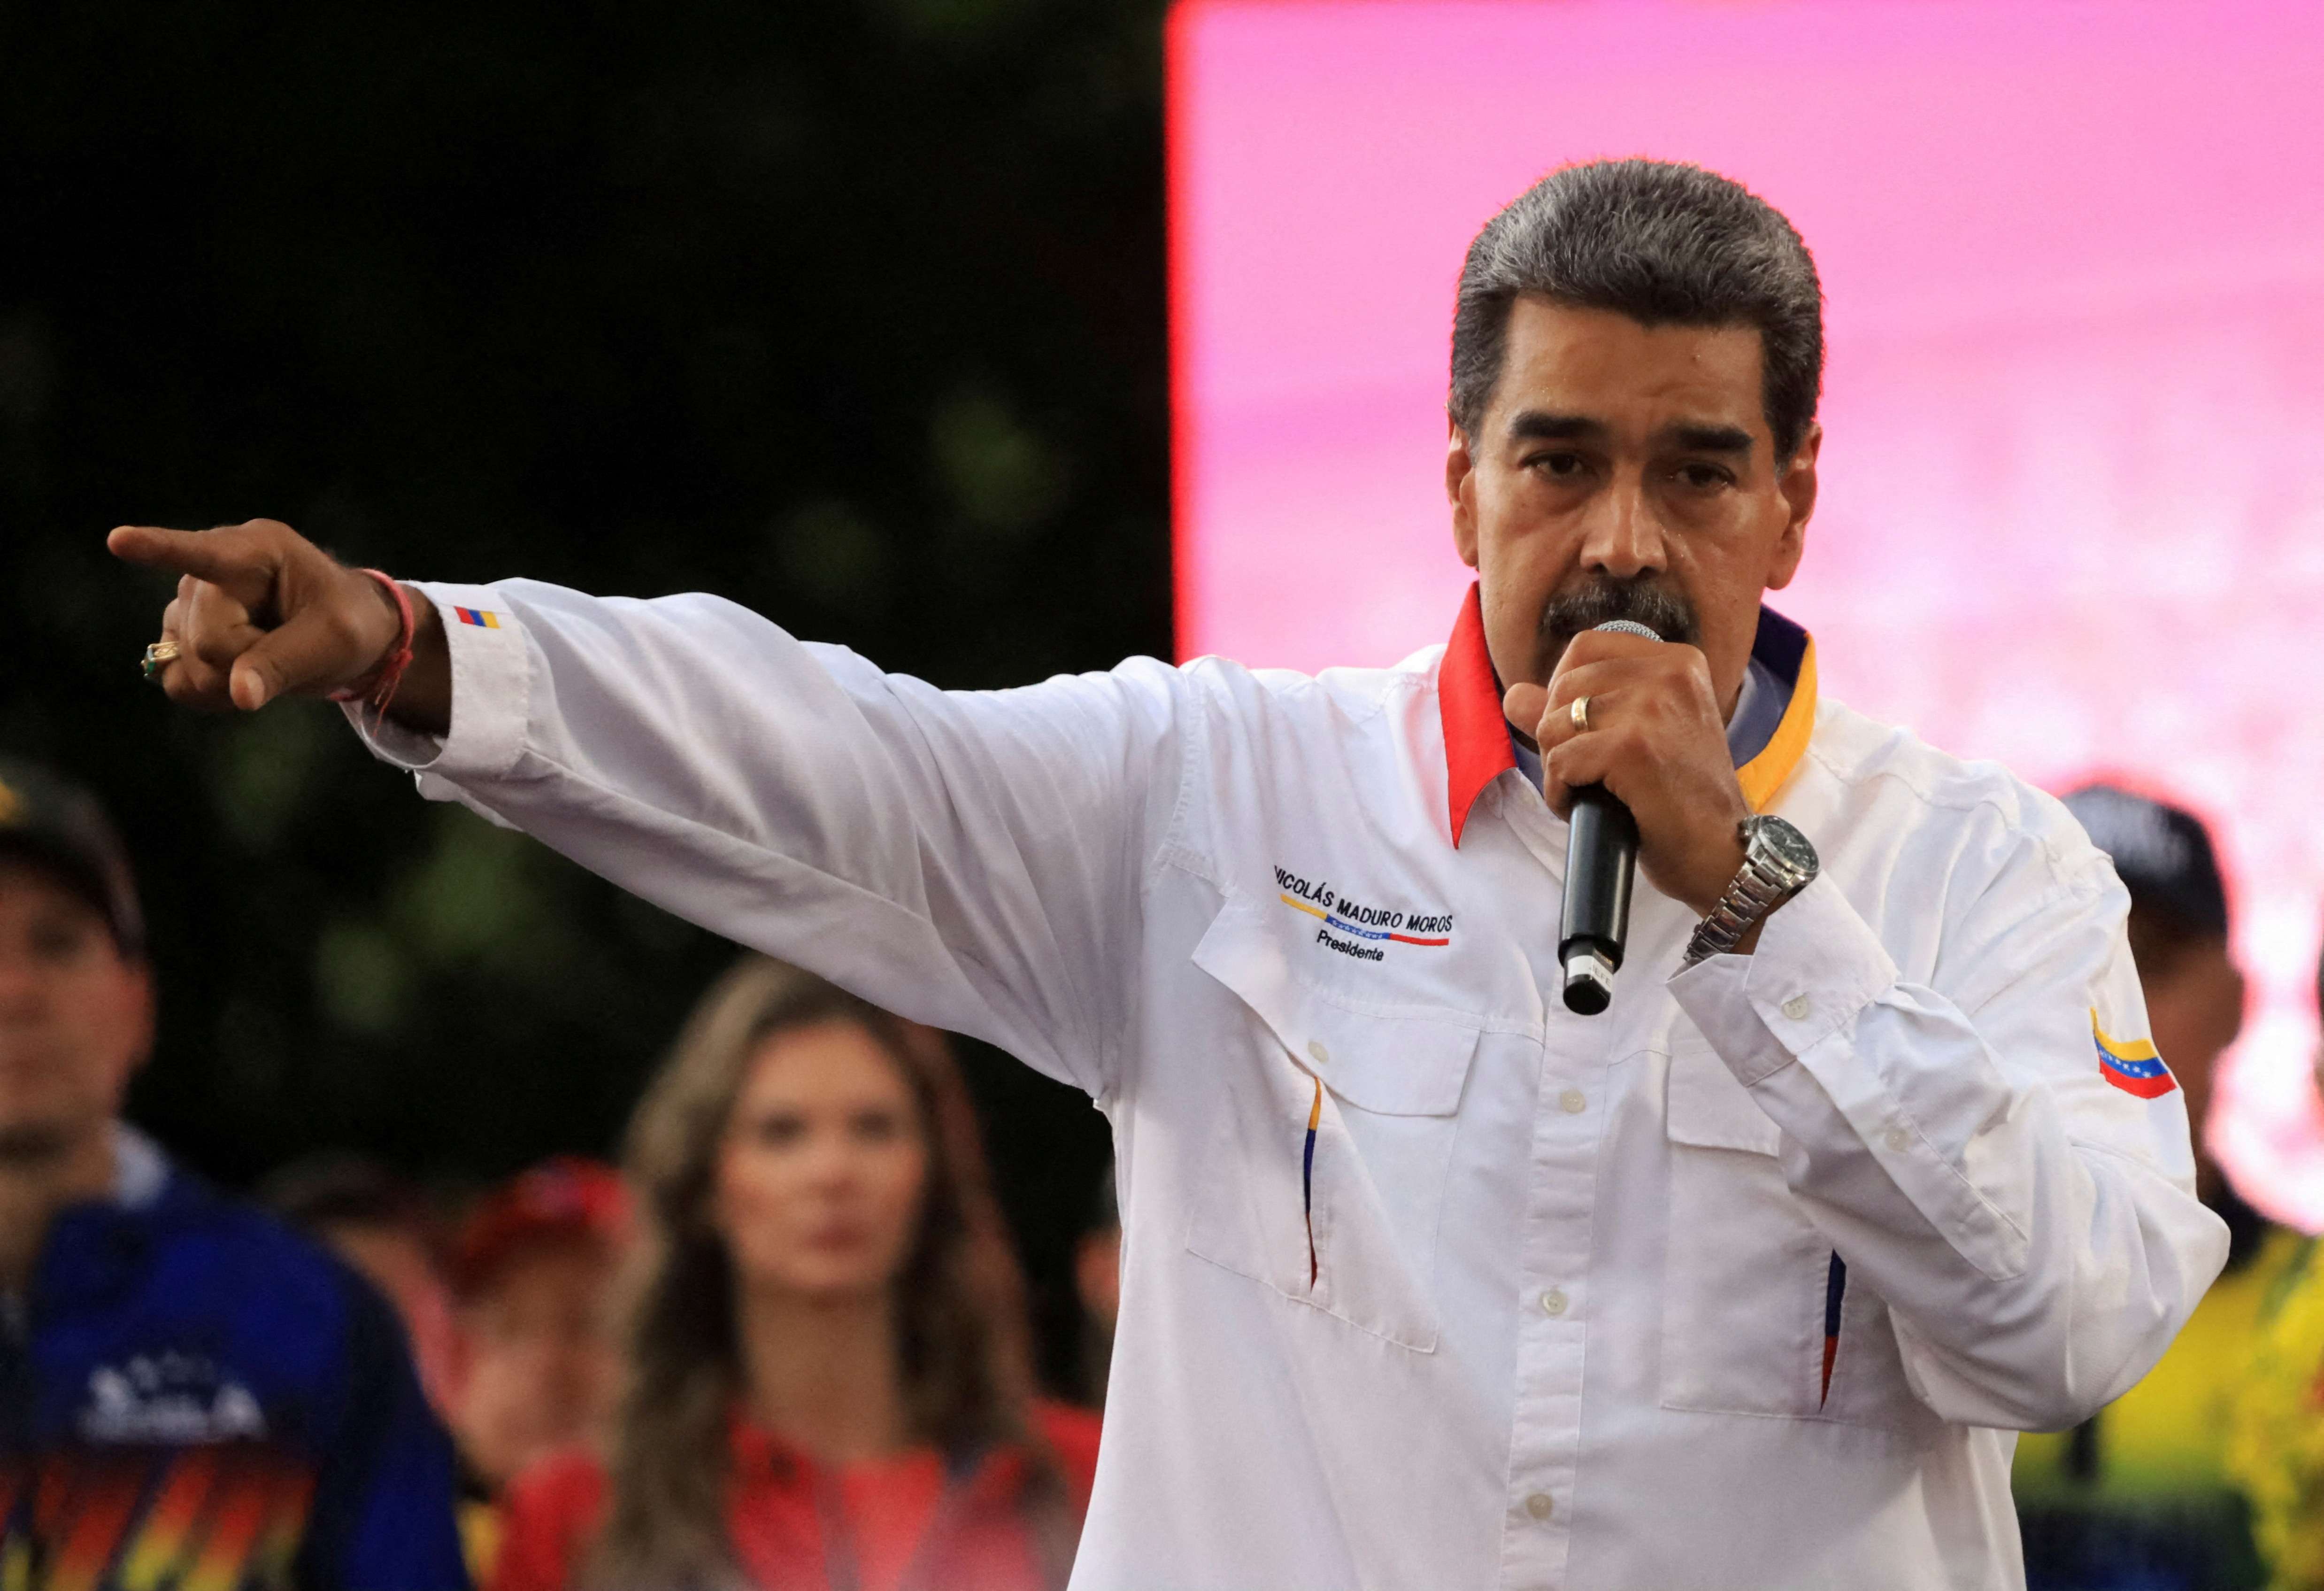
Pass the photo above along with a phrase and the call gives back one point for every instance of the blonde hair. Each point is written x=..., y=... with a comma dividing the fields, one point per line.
x=959, y=1299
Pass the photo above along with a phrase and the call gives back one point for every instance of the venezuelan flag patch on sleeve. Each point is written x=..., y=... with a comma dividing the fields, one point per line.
x=483, y=618
x=2131, y=1065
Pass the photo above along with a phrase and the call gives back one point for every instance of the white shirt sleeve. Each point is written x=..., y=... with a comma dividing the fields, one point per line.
x=2033, y=1228
x=975, y=860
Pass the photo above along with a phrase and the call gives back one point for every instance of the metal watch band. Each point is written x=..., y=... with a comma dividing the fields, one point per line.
x=1750, y=897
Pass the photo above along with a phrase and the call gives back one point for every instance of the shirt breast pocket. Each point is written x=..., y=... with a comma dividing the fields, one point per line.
x=1324, y=1171
x=1758, y=1314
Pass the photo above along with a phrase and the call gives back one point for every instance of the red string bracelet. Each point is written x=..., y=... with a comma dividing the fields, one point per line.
x=379, y=690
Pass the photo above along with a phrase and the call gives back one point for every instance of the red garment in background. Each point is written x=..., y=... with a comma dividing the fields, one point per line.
x=773, y=1516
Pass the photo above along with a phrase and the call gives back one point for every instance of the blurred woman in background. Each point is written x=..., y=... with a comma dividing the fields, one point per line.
x=829, y=1377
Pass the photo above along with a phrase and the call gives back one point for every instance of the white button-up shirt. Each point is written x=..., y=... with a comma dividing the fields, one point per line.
x=1427, y=1282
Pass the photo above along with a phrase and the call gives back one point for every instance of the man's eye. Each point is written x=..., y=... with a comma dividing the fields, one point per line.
x=58, y=941
x=1559, y=465
x=1704, y=477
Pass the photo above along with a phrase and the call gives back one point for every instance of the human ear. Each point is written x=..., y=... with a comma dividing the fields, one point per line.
x=1797, y=483
x=138, y=1008
x=1461, y=490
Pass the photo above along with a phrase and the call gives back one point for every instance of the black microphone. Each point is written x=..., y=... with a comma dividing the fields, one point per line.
x=1602, y=853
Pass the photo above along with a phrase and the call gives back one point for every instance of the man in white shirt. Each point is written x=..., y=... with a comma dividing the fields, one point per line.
x=1428, y=1281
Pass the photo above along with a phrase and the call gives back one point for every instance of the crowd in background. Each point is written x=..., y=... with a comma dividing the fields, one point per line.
x=787, y=1342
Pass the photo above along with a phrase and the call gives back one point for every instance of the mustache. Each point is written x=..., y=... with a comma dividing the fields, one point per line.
x=1660, y=608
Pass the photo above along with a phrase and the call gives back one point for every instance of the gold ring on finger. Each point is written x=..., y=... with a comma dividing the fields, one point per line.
x=1580, y=713
x=158, y=657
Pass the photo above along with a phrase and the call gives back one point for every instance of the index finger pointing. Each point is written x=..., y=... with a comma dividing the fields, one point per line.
x=219, y=557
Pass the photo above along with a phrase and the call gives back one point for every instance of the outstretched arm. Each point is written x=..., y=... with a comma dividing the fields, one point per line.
x=971, y=859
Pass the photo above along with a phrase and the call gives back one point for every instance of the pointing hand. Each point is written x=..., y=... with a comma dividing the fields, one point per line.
x=262, y=612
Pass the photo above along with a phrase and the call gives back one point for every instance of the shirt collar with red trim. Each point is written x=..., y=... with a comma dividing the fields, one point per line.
x=1477, y=745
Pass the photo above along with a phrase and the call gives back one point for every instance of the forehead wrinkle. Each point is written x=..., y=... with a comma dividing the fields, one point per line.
x=1622, y=373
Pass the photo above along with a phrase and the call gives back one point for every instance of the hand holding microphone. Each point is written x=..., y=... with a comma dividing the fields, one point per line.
x=1649, y=775
x=1602, y=852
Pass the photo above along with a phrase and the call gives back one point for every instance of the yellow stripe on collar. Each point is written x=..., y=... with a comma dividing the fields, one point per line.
x=1764, y=774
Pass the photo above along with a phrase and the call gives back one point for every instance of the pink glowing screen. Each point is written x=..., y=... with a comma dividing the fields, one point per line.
x=2073, y=480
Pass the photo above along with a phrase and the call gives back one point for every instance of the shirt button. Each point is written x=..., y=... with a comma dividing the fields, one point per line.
x=1796, y=1008
x=1899, y=1140
x=1315, y=1049
x=1553, y=1302
x=1572, y=1102
x=1540, y=1505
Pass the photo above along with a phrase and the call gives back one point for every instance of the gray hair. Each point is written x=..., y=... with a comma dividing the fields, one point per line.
x=1662, y=244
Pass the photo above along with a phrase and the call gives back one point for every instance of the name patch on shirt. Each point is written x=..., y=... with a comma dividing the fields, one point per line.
x=168, y=1400
x=1360, y=929
x=2131, y=1065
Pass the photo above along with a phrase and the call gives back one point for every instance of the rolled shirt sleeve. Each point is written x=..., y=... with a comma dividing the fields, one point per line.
x=970, y=859
x=2032, y=1228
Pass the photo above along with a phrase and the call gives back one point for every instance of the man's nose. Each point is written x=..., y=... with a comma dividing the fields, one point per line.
x=1626, y=536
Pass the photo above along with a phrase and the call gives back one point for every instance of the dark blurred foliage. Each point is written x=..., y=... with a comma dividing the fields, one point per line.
x=850, y=309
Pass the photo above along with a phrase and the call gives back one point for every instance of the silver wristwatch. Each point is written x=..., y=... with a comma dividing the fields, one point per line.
x=1778, y=863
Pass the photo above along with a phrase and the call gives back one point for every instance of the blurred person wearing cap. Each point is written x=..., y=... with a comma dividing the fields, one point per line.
x=2139, y=1494
x=377, y=1221
x=203, y=1395
x=537, y=1367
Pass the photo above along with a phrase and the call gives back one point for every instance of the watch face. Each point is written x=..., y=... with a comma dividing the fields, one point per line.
x=1781, y=850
